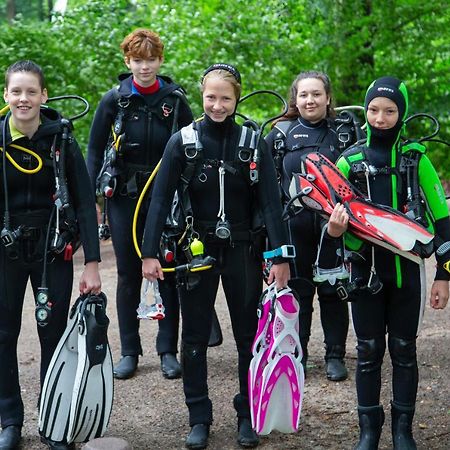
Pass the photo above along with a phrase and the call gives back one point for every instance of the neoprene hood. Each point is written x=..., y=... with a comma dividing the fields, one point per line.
x=395, y=90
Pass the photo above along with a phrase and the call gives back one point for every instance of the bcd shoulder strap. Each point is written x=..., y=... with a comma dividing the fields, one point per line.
x=194, y=156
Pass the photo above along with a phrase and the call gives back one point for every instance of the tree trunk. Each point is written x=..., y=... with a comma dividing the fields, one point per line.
x=50, y=9
x=10, y=10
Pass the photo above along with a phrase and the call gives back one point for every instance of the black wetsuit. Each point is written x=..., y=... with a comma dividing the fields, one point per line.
x=301, y=138
x=238, y=263
x=147, y=126
x=398, y=307
x=30, y=204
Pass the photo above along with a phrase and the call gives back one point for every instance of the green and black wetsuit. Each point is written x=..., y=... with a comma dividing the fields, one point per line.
x=396, y=309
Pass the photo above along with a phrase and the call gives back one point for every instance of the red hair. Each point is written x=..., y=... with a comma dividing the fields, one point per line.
x=142, y=43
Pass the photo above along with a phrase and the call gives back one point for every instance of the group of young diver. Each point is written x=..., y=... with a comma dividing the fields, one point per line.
x=345, y=213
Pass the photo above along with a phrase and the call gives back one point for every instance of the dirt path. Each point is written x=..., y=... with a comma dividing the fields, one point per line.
x=149, y=411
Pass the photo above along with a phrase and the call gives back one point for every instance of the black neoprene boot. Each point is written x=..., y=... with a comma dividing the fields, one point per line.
x=402, y=417
x=335, y=365
x=371, y=420
x=198, y=436
x=10, y=437
x=126, y=367
x=170, y=367
x=247, y=437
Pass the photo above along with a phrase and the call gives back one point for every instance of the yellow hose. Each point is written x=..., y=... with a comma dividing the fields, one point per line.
x=4, y=109
x=138, y=206
x=135, y=217
x=26, y=150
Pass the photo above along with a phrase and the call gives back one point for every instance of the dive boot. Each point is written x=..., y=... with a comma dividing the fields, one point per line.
x=371, y=420
x=402, y=417
x=10, y=437
x=126, y=367
x=335, y=365
x=198, y=436
x=170, y=367
x=246, y=435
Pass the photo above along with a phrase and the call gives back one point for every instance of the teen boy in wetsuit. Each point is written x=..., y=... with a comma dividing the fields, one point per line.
x=26, y=207
x=145, y=109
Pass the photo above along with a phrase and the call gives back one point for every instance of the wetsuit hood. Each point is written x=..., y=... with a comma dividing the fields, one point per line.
x=395, y=90
x=50, y=123
x=49, y=126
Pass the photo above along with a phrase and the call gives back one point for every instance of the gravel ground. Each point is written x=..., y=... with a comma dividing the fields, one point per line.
x=149, y=411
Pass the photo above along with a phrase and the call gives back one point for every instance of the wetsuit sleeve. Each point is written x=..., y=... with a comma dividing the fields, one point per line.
x=83, y=199
x=437, y=205
x=166, y=182
x=99, y=134
x=269, y=199
x=442, y=229
x=432, y=189
x=351, y=242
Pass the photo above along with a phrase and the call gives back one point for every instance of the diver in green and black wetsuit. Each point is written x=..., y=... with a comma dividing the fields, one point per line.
x=402, y=177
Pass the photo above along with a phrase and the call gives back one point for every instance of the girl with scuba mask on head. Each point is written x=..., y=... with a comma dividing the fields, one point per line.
x=220, y=183
x=382, y=170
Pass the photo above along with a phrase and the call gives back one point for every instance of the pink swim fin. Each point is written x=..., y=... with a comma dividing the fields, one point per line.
x=276, y=377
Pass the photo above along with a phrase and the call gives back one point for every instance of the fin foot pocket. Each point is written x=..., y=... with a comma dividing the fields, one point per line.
x=77, y=393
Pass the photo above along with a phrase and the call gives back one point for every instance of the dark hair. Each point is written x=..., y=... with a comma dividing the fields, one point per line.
x=293, y=112
x=142, y=43
x=25, y=66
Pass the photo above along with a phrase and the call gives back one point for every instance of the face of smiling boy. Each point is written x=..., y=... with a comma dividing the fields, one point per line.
x=25, y=96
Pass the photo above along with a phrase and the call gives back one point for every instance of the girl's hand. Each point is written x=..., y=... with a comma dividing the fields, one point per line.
x=281, y=273
x=338, y=222
x=151, y=269
x=439, y=294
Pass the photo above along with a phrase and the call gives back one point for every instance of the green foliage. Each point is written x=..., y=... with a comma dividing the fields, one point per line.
x=270, y=41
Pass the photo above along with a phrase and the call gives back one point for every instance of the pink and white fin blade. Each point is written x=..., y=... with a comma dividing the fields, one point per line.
x=276, y=377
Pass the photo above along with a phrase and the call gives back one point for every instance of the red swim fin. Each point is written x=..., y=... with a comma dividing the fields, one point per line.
x=309, y=195
x=329, y=179
x=390, y=226
x=324, y=185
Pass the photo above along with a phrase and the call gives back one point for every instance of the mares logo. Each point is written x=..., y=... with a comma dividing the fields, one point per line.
x=385, y=89
x=305, y=136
